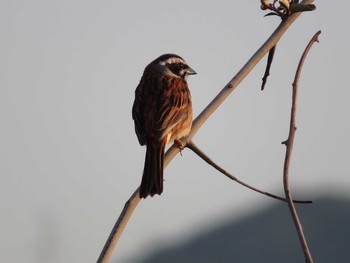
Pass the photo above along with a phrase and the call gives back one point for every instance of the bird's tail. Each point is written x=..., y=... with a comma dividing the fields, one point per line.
x=152, y=178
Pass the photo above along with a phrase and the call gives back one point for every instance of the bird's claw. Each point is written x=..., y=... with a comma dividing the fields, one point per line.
x=179, y=145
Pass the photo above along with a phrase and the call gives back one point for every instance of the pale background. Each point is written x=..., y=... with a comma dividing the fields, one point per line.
x=69, y=158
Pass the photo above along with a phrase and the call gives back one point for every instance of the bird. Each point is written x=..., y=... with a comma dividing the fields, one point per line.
x=162, y=114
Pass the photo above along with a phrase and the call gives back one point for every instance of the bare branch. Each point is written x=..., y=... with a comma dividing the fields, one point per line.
x=191, y=145
x=289, y=148
x=197, y=123
x=118, y=227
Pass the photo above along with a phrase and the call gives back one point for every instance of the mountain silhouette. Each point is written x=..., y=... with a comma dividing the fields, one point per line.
x=270, y=236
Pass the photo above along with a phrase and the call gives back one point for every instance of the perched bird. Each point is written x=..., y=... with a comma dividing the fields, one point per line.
x=162, y=112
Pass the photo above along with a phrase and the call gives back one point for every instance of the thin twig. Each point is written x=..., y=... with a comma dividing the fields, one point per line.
x=268, y=66
x=289, y=147
x=197, y=123
x=191, y=145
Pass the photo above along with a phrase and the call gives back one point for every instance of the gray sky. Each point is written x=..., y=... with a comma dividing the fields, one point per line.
x=69, y=158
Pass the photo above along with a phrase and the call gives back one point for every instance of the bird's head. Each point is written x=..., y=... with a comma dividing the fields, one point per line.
x=172, y=65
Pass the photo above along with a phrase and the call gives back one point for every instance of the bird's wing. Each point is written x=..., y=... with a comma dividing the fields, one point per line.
x=138, y=110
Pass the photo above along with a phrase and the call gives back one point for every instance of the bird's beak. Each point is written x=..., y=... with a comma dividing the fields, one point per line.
x=190, y=71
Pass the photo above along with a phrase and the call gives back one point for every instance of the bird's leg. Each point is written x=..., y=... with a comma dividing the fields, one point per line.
x=179, y=145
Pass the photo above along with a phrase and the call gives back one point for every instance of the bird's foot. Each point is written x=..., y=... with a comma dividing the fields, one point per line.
x=179, y=145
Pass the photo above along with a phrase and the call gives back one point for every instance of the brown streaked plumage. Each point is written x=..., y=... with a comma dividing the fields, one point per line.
x=162, y=113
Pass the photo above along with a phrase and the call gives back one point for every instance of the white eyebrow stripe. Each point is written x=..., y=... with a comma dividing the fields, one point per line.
x=172, y=61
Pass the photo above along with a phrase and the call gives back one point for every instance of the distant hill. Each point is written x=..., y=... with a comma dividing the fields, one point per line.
x=270, y=236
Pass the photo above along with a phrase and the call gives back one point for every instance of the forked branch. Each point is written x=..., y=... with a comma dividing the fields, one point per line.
x=133, y=201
